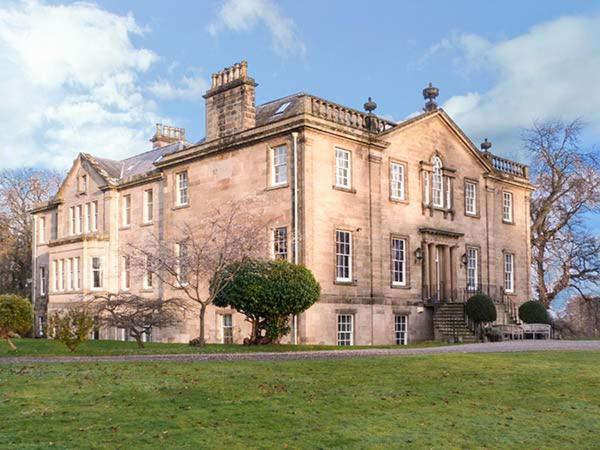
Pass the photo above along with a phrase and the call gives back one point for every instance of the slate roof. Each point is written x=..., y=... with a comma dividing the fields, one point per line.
x=140, y=164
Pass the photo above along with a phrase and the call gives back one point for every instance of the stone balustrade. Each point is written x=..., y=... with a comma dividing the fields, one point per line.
x=347, y=116
x=508, y=166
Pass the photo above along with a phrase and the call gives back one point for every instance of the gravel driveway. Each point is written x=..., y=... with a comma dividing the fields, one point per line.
x=489, y=347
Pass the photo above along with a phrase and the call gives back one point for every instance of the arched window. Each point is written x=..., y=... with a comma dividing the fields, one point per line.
x=437, y=183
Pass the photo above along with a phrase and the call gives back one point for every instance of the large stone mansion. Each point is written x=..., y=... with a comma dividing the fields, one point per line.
x=395, y=220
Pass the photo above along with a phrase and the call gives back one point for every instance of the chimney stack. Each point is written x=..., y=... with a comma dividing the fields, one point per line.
x=166, y=135
x=230, y=102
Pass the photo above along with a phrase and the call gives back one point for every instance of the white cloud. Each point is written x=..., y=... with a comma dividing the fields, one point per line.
x=188, y=88
x=244, y=15
x=69, y=82
x=549, y=72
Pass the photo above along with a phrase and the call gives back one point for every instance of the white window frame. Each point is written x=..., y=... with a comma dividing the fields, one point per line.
x=279, y=166
x=507, y=206
x=55, y=275
x=343, y=168
x=345, y=329
x=398, y=261
x=343, y=256
x=509, y=273
x=94, y=207
x=280, y=243
x=148, y=206
x=437, y=183
x=397, y=181
x=226, y=326
x=43, y=280
x=72, y=220
x=88, y=218
x=426, y=193
x=70, y=278
x=61, y=275
x=472, y=268
x=100, y=271
x=400, y=329
x=126, y=211
x=125, y=273
x=78, y=219
x=42, y=230
x=182, y=183
x=470, y=198
x=179, y=254
x=76, y=273
x=147, y=280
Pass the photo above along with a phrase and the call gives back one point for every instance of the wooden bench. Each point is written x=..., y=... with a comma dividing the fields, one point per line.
x=535, y=329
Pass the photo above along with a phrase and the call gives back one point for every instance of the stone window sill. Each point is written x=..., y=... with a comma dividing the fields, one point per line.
x=344, y=189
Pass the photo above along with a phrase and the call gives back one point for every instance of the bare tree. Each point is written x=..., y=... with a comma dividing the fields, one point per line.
x=190, y=263
x=581, y=317
x=20, y=190
x=138, y=315
x=565, y=255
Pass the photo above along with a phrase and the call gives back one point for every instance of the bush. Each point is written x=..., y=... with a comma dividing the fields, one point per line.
x=73, y=327
x=534, y=312
x=16, y=317
x=480, y=309
x=268, y=293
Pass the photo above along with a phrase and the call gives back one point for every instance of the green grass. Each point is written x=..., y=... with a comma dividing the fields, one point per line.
x=522, y=401
x=49, y=347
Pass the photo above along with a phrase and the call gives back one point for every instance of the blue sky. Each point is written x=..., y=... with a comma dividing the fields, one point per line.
x=95, y=77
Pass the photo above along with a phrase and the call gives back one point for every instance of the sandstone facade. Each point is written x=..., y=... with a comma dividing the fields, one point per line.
x=391, y=218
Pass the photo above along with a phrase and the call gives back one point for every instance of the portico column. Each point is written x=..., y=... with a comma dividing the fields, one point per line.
x=425, y=271
x=447, y=273
x=453, y=264
x=432, y=278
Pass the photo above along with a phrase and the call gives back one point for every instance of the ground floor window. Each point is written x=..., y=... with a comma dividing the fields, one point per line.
x=400, y=329
x=227, y=328
x=345, y=329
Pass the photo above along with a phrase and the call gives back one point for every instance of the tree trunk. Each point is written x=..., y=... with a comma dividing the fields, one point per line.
x=138, y=339
x=10, y=343
x=201, y=339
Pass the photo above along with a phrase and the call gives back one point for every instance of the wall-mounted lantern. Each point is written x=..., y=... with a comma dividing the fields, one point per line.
x=464, y=259
x=419, y=254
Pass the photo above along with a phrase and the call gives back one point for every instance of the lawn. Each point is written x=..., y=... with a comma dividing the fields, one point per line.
x=50, y=347
x=523, y=400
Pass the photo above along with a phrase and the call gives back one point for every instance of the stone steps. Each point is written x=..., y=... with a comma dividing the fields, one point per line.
x=449, y=323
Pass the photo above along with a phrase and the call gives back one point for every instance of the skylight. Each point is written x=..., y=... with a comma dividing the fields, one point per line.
x=282, y=108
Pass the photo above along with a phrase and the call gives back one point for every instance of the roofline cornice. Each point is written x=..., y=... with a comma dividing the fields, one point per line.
x=263, y=132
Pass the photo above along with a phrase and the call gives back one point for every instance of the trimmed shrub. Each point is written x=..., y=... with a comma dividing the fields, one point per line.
x=534, y=312
x=268, y=293
x=481, y=309
x=16, y=317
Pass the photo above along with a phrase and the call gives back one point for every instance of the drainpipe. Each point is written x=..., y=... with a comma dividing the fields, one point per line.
x=295, y=151
x=34, y=236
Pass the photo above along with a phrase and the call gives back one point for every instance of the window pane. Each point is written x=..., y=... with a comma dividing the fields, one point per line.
x=345, y=329
x=472, y=268
x=437, y=183
x=399, y=261
x=401, y=329
x=343, y=249
x=342, y=168
x=280, y=250
x=280, y=168
x=397, y=181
